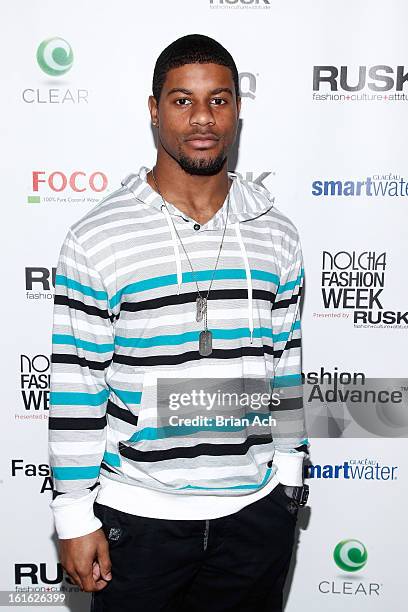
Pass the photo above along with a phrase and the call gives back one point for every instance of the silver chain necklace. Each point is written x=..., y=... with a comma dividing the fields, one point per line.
x=205, y=338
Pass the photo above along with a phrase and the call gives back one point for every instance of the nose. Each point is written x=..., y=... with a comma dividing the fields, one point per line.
x=201, y=114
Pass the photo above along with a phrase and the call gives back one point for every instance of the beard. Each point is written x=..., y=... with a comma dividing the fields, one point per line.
x=202, y=167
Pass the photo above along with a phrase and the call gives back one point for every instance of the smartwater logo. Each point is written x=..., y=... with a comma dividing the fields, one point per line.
x=353, y=469
x=377, y=185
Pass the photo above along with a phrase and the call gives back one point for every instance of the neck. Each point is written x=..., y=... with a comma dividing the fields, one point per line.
x=200, y=197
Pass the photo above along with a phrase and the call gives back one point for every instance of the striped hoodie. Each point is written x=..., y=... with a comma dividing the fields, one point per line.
x=124, y=318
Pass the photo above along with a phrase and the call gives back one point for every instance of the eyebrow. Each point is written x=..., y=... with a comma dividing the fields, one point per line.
x=190, y=93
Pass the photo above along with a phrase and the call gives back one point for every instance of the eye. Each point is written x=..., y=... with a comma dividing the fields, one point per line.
x=220, y=101
x=182, y=100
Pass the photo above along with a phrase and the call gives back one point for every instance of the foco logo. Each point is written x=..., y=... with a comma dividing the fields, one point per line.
x=55, y=56
x=46, y=184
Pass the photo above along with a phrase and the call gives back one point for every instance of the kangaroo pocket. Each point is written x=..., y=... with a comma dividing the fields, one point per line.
x=199, y=433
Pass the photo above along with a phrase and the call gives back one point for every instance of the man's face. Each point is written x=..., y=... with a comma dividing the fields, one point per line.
x=197, y=116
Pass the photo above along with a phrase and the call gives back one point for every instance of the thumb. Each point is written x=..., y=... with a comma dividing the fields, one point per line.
x=103, y=558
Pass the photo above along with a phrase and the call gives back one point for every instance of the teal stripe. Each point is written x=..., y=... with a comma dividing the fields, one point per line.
x=67, y=398
x=283, y=336
x=169, y=431
x=84, y=344
x=265, y=276
x=248, y=486
x=128, y=397
x=76, y=473
x=289, y=380
x=290, y=285
x=193, y=336
x=187, y=277
x=112, y=459
x=65, y=281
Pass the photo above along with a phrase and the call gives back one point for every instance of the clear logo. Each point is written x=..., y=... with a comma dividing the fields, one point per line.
x=55, y=56
x=350, y=555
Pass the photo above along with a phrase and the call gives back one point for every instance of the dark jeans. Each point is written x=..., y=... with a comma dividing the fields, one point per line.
x=235, y=563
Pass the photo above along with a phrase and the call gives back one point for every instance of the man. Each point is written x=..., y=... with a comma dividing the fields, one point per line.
x=185, y=272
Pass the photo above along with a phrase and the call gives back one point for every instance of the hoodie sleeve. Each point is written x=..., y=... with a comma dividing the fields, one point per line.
x=82, y=349
x=289, y=433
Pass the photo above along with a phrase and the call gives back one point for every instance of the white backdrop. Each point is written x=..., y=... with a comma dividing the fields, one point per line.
x=94, y=119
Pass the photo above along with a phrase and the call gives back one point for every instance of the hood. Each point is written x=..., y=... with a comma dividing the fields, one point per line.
x=247, y=201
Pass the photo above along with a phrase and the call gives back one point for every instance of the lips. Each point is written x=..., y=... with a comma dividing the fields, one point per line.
x=202, y=141
x=202, y=137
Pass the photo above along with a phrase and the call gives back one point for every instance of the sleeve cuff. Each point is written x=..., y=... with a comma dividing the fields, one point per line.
x=290, y=467
x=75, y=517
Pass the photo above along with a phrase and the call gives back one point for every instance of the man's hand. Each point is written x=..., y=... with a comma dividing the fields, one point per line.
x=86, y=559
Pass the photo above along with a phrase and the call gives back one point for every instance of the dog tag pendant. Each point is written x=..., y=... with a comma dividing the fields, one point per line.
x=205, y=343
x=201, y=304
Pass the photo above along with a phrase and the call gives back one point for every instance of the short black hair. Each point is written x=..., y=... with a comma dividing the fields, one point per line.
x=192, y=49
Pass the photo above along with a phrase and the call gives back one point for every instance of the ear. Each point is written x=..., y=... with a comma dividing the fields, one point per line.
x=238, y=106
x=154, y=111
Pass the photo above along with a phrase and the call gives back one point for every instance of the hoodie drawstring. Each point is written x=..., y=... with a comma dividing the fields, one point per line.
x=175, y=247
x=248, y=280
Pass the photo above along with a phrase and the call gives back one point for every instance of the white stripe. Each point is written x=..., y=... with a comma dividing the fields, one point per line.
x=88, y=447
x=86, y=325
x=173, y=320
x=200, y=474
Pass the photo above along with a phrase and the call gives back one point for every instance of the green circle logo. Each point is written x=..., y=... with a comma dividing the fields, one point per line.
x=350, y=555
x=54, y=56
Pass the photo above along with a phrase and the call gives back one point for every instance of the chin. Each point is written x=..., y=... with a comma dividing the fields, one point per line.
x=202, y=165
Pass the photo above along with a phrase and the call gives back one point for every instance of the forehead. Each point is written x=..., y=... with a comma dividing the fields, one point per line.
x=199, y=77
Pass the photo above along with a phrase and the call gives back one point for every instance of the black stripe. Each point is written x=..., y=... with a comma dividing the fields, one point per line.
x=64, y=300
x=288, y=403
x=278, y=304
x=186, y=298
x=96, y=423
x=81, y=361
x=161, y=360
x=77, y=423
x=107, y=468
x=121, y=413
x=303, y=448
x=189, y=452
x=293, y=343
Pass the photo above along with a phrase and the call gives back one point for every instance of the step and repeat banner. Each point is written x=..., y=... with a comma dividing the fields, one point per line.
x=323, y=126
